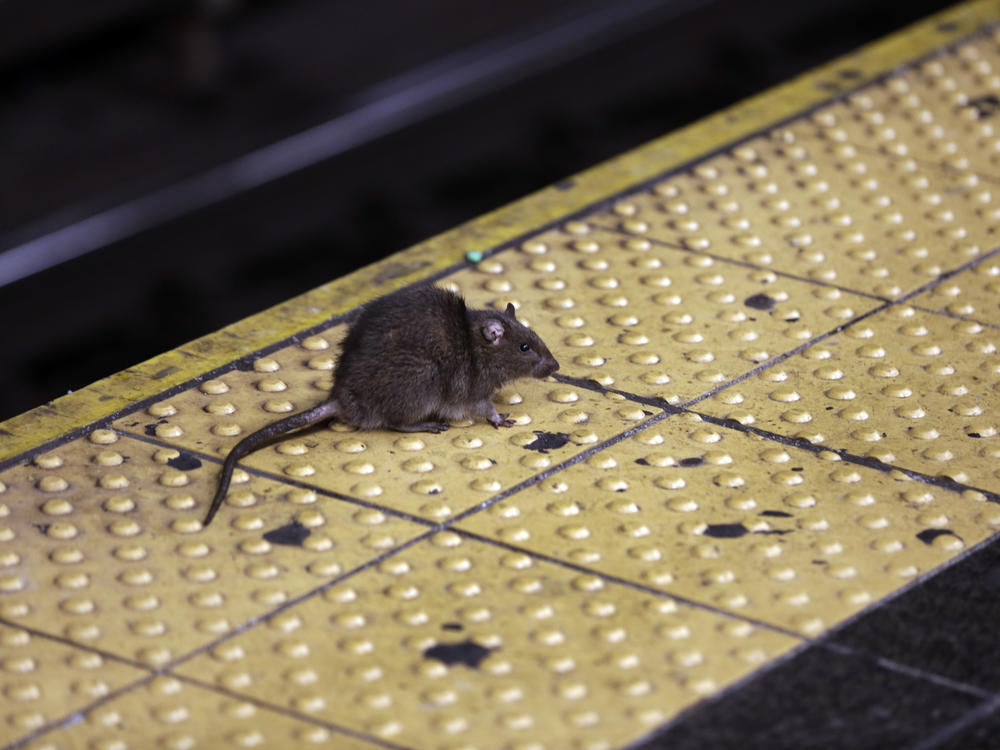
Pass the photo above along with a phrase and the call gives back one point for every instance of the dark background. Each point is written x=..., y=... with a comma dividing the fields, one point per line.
x=107, y=101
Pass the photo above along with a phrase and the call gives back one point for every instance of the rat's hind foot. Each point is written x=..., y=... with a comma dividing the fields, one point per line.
x=422, y=427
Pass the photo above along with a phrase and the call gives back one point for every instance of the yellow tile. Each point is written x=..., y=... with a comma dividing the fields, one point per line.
x=651, y=319
x=170, y=713
x=820, y=210
x=751, y=526
x=909, y=388
x=101, y=544
x=42, y=681
x=941, y=111
x=426, y=475
x=546, y=656
x=973, y=294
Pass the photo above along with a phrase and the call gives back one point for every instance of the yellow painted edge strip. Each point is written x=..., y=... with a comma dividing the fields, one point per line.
x=109, y=395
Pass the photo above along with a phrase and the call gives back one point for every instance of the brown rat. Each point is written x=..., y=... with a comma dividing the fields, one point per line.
x=412, y=361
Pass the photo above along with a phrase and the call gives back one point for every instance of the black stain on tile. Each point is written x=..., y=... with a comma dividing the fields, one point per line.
x=468, y=652
x=985, y=106
x=150, y=429
x=547, y=441
x=775, y=513
x=452, y=626
x=290, y=535
x=774, y=532
x=927, y=536
x=184, y=462
x=642, y=462
x=688, y=463
x=726, y=530
x=760, y=302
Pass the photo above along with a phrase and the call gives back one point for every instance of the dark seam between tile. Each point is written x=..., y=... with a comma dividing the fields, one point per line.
x=955, y=316
x=794, y=442
x=291, y=713
x=284, y=480
x=73, y=718
x=667, y=244
x=630, y=584
x=887, y=302
x=69, y=643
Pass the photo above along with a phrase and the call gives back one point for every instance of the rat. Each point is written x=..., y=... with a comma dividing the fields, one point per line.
x=413, y=360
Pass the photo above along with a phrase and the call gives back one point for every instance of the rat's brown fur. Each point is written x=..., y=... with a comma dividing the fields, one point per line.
x=412, y=361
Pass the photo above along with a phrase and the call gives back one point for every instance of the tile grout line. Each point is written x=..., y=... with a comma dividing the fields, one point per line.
x=167, y=669
x=75, y=717
x=956, y=316
x=795, y=442
x=635, y=585
x=281, y=479
x=290, y=713
x=886, y=301
x=678, y=247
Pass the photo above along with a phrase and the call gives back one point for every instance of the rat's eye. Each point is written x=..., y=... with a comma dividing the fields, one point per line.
x=525, y=346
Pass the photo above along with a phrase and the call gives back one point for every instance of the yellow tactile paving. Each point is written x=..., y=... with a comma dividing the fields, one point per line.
x=42, y=680
x=876, y=225
x=772, y=411
x=943, y=112
x=909, y=388
x=541, y=656
x=109, y=555
x=750, y=526
x=651, y=319
x=167, y=713
x=973, y=295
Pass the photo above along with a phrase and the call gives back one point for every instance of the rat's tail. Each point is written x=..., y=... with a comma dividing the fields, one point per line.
x=255, y=440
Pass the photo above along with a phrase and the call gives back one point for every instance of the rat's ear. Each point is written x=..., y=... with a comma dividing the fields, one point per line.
x=493, y=330
x=510, y=310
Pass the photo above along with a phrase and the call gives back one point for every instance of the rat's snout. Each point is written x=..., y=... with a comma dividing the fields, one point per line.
x=546, y=367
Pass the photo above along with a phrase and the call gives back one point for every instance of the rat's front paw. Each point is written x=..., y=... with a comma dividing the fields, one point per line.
x=501, y=420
